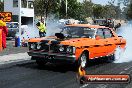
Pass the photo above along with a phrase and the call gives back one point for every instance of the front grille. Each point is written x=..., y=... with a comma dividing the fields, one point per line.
x=45, y=47
x=54, y=48
x=50, y=48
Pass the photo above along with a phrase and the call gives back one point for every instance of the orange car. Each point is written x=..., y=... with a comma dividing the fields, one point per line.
x=76, y=43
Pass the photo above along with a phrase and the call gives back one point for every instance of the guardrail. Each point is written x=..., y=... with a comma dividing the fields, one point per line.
x=1, y=40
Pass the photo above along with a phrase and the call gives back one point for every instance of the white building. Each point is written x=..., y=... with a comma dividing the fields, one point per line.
x=20, y=8
x=23, y=13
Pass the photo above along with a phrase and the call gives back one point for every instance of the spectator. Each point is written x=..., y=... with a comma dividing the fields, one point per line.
x=42, y=29
x=4, y=31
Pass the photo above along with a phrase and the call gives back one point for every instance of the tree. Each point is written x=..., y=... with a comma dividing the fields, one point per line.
x=110, y=11
x=97, y=11
x=107, y=11
x=1, y=6
x=129, y=12
x=87, y=8
x=43, y=7
x=74, y=9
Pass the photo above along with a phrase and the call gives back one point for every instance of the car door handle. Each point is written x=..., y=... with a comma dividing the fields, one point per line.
x=115, y=39
x=106, y=41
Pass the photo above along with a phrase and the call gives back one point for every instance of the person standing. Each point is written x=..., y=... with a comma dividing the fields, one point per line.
x=42, y=29
x=4, y=31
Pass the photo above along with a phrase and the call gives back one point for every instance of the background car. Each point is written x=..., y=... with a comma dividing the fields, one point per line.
x=13, y=28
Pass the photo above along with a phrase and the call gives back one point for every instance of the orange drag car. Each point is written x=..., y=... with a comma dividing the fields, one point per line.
x=76, y=43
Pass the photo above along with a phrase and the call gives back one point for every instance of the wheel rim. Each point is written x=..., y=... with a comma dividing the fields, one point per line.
x=83, y=60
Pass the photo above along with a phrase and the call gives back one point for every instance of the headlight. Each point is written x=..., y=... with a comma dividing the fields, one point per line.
x=32, y=46
x=61, y=48
x=38, y=45
x=71, y=49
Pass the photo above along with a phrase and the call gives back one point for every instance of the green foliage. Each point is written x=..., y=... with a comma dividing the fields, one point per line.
x=43, y=7
x=87, y=9
x=111, y=11
x=97, y=11
x=1, y=6
x=129, y=12
x=75, y=9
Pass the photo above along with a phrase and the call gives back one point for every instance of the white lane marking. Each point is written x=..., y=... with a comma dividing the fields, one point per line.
x=102, y=86
x=85, y=85
x=128, y=68
x=129, y=71
x=122, y=72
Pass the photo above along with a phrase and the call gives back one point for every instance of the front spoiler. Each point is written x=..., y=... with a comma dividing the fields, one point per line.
x=52, y=56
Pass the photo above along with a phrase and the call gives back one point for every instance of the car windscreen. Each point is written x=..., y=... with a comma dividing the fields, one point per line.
x=78, y=32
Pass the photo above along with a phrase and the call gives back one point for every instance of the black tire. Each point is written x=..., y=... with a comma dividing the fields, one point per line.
x=111, y=58
x=41, y=63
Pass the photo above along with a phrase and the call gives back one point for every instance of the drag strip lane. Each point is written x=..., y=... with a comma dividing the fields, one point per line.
x=29, y=75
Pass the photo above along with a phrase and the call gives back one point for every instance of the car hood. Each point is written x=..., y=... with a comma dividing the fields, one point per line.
x=70, y=42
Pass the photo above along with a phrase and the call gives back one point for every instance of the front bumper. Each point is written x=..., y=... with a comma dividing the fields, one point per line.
x=51, y=57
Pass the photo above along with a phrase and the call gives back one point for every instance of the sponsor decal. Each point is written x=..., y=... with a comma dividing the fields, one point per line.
x=105, y=79
x=7, y=16
x=84, y=78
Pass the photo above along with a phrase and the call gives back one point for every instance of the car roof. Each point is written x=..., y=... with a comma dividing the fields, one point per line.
x=86, y=25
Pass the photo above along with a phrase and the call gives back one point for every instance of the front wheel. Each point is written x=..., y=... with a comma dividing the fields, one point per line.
x=41, y=62
x=82, y=61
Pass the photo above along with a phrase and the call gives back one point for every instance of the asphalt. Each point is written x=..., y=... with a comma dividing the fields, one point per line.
x=27, y=74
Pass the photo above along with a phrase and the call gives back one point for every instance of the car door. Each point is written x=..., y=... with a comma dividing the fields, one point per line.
x=110, y=41
x=100, y=48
